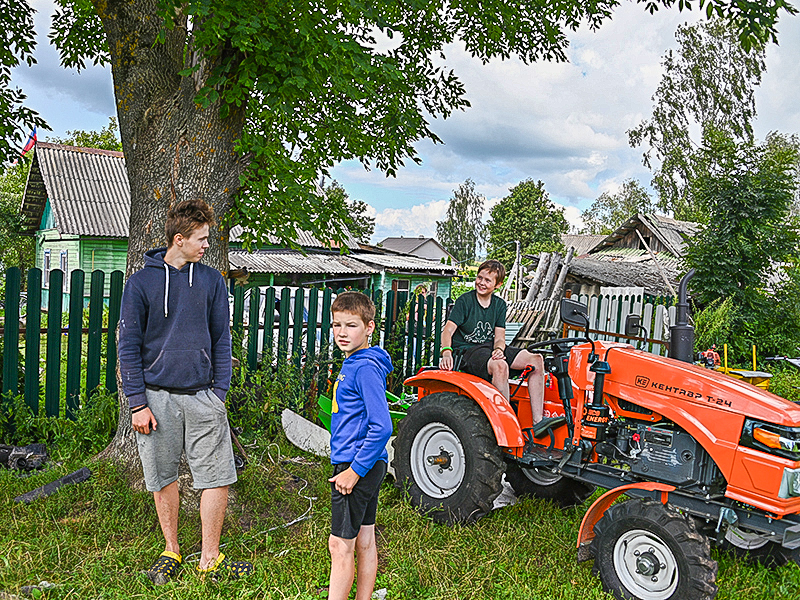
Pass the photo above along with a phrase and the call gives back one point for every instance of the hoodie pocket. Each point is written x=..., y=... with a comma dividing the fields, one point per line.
x=180, y=369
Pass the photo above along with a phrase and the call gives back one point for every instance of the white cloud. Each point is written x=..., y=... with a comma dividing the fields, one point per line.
x=416, y=220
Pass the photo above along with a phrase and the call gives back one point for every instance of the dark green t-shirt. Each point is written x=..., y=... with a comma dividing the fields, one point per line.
x=476, y=324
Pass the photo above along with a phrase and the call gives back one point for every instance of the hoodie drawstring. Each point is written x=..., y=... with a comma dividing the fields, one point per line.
x=166, y=286
x=166, y=291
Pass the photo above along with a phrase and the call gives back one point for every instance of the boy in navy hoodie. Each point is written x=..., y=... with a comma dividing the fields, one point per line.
x=175, y=361
x=360, y=428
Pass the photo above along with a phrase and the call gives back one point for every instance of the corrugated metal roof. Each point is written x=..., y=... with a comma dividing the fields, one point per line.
x=405, y=263
x=403, y=244
x=87, y=188
x=288, y=261
x=304, y=239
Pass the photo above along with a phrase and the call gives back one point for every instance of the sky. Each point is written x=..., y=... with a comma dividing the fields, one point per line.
x=563, y=123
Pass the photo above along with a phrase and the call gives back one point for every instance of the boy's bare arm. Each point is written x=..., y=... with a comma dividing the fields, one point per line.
x=499, y=345
x=446, y=360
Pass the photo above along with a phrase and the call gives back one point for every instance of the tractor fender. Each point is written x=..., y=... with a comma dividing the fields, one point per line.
x=497, y=409
x=601, y=505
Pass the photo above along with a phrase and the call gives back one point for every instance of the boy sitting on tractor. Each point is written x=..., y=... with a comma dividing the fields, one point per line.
x=476, y=328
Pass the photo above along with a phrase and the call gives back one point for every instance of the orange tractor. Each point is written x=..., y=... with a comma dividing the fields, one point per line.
x=701, y=456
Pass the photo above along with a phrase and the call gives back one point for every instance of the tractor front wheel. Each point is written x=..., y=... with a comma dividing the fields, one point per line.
x=538, y=482
x=644, y=550
x=447, y=456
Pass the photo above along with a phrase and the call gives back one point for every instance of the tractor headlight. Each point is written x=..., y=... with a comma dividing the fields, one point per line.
x=775, y=439
x=790, y=483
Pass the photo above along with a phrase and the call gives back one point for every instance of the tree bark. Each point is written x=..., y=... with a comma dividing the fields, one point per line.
x=174, y=148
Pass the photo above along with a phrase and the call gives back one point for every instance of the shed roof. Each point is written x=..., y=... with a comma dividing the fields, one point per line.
x=405, y=263
x=87, y=188
x=622, y=273
x=291, y=261
x=583, y=244
x=303, y=238
x=668, y=231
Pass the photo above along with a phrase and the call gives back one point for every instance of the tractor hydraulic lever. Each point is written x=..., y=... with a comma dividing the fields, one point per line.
x=558, y=366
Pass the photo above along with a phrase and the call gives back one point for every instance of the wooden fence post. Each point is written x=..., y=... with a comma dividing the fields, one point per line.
x=52, y=384
x=297, y=329
x=95, y=337
x=74, y=343
x=11, y=333
x=252, y=331
x=33, y=339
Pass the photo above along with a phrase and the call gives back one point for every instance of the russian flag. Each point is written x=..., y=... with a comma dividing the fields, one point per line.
x=30, y=143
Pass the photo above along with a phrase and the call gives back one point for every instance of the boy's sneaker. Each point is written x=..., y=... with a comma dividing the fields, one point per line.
x=234, y=569
x=165, y=569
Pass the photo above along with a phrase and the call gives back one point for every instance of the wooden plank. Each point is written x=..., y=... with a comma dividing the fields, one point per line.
x=253, y=327
x=297, y=329
x=647, y=323
x=538, y=276
x=283, y=326
x=410, y=335
x=11, y=333
x=429, y=325
x=33, y=339
x=74, y=342
x=114, y=304
x=238, y=310
x=324, y=339
x=437, y=333
x=313, y=323
x=94, y=340
x=52, y=384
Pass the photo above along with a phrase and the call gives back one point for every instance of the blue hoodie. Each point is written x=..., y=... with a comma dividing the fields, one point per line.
x=174, y=329
x=360, y=421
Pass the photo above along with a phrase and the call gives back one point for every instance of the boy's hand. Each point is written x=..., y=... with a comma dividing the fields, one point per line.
x=498, y=354
x=345, y=481
x=446, y=361
x=142, y=420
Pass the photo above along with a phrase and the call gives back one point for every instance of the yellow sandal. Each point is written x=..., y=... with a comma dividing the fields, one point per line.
x=232, y=568
x=165, y=569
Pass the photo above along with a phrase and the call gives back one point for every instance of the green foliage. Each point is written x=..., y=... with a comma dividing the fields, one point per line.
x=358, y=221
x=708, y=85
x=304, y=85
x=785, y=380
x=714, y=324
x=16, y=250
x=462, y=231
x=105, y=139
x=609, y=211
x=527, y=214
x=91, y=431
x=751, y=237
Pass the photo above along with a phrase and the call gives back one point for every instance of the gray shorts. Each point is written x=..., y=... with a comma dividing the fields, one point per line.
x=196, y=424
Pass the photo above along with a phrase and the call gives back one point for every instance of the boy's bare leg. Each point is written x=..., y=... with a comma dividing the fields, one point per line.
x=367, y=562
x=213, y=504
x=167, y=506
x=343, y=566
x=535, y=381
x=498, y=371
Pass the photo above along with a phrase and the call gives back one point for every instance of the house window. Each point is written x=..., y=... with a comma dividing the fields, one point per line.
x=63, y=264
x=46, y=269
x=402, y=285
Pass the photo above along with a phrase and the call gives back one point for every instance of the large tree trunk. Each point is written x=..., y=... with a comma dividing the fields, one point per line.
x=174, y=149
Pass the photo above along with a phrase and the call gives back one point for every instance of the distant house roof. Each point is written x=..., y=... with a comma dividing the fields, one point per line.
x=408, y=245
x=670, y=232
x=87, y=188
x=583, y=244
x=405, y=263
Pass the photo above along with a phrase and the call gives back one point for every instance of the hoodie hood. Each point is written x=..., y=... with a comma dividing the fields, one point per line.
x=375, y=355
x=155, y=258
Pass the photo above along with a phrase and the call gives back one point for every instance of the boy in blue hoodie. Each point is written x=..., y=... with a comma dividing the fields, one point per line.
x=360, y=428
x=175, y=362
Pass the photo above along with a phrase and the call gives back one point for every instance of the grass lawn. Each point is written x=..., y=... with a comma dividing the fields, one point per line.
x=92, y=540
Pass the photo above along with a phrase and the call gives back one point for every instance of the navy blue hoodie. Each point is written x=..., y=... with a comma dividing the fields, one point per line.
x=360, y=421
x=174, y=329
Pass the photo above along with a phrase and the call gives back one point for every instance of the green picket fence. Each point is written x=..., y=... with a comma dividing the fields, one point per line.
x=82, y=376
x=58, y=374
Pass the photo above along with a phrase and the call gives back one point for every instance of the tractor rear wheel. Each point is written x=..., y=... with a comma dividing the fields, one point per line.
x=533, y=481
x=447, y=456
x=756, y=548
x=647, y=551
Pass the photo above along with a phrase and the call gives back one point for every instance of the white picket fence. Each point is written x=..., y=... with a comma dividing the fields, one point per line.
x=608, y=311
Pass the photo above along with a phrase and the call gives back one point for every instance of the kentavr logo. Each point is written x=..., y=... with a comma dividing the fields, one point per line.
x=642, y=381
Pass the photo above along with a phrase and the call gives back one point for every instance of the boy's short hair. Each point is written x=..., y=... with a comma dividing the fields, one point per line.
x=185, y=217
x=496, y=267
x=355, y=303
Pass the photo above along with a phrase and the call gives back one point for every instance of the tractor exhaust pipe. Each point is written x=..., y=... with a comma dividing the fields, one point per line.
x=681, y=335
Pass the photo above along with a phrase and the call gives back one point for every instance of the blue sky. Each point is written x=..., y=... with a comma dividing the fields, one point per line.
x=562, y=123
